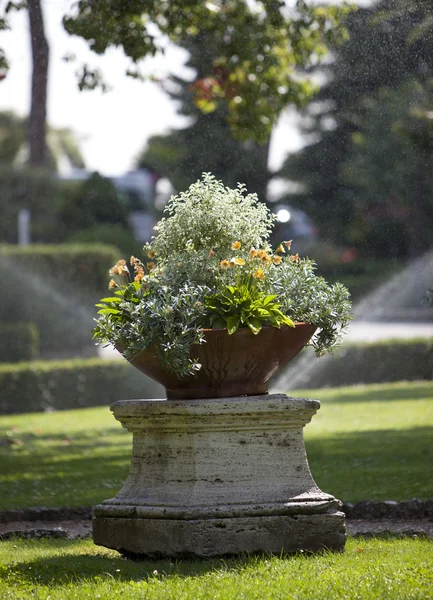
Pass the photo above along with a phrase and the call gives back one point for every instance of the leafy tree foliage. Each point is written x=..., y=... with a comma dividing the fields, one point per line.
x=61, y=143
x=259, y=48
x=334, y=169
x=207, y=144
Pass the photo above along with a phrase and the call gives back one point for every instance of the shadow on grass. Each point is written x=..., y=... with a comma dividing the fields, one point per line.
x=70, y=567
x=374, y=465
x=406, y=392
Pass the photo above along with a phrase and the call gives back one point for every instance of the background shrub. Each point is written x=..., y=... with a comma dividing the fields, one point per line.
x=18, y=342
x=378, y=362
x=78, y=383
x=55, y=287
x=36, y=191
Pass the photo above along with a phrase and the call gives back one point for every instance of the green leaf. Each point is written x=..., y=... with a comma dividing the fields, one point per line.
x=233, y=323
x=255, y=325
x=108, y=311
x=109, y=300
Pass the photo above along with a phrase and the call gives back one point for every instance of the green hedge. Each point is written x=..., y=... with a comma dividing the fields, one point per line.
x=60, y=385
x=56, y=288
x=378, y=362
x=18, y=341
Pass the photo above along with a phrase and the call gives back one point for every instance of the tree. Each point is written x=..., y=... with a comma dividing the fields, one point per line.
x=376, y=56
x=259, y=48
x=207, y=144
x=38, y=105
x=14, y=148
x=36, y=135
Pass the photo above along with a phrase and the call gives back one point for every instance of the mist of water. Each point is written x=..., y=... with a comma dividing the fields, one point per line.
x=399, y=298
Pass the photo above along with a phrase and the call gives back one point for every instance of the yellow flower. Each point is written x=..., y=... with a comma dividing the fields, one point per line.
x=294, y=258
x=236, y=245
x=288, y=244
x=151, y=253
x=280, y=249
x=112, y=284
x=259, y=274
x=224, y=264
x=265, y=258
x=253, y=253
x=239, y=261
x=132, y=260
x=277, y=260
x=150, y=265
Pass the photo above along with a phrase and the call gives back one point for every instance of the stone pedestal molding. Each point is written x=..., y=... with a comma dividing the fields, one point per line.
x=218, y=476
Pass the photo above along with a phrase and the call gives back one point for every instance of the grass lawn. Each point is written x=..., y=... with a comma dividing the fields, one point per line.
x=367, y=442
x=380, y=568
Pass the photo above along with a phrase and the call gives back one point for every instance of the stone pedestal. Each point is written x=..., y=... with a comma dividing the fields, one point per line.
x=218, y=476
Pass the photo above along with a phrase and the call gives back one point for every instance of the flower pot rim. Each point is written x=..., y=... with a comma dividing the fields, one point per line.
x=246, y=328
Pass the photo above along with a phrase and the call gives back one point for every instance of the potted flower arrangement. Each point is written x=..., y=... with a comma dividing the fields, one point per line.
x=213, y=310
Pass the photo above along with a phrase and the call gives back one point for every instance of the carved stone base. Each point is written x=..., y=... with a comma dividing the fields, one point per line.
x=218, y=476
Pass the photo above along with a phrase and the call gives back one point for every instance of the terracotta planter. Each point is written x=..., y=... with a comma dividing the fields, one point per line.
x=232, y=365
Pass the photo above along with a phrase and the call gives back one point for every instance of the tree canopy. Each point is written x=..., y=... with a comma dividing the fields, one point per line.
x=260, y=48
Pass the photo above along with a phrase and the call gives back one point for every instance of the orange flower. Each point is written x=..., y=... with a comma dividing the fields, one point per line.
x=236, y=245
x=211, y=253
x=150, y=265
x=277, y=260
x=132, y=260
x=224, y=264
x=265, y=258
x=280, y=249
x=259, y=274
x=253, y=253
x=294, y=258
x=119, y=268
x=140, y=274
x=288, y=244
x=151, y=253
x=112, y=284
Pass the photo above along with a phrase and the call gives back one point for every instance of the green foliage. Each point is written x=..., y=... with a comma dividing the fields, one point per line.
x=207, y=144
x=52, y=286
x=366, y=99
x=107, y=234
x=61, y=143
x=35, y=191
x=59, y=385
x=366, y=442
x=244, y=305
x=258, y=49
x=304, y=297
x=191, y=283
x=93, y=202
x=373, y=362
x=386, y=567
x=18, y=342
x=210, y=216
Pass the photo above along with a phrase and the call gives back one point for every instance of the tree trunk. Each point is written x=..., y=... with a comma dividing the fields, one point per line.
x=38, y=109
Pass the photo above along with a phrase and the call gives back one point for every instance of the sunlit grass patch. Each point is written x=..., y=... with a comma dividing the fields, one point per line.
x=378, y=568
x=366, y=442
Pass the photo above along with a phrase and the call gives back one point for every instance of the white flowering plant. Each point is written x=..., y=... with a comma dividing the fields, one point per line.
x=210, y=265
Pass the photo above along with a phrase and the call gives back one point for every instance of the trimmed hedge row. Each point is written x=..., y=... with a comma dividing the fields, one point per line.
x=374, y=362
x=18, y=341
x=55, y=287
x=78, y=383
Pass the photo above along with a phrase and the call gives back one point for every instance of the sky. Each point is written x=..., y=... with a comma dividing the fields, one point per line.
x=112, y=128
